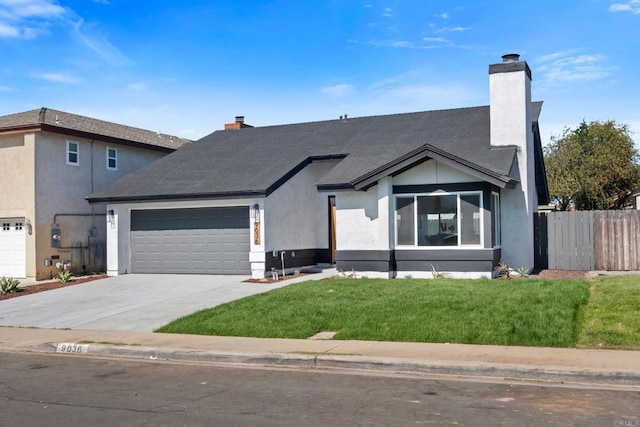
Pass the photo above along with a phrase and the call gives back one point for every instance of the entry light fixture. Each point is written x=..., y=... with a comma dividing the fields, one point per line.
x=28, y=226
x=111, y=218
x=255, y=212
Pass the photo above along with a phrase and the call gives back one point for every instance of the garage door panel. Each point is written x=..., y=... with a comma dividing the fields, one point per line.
x=165, y=241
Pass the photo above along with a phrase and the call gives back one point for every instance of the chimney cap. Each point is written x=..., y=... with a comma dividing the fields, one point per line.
x=239, y=119
x=511, y=57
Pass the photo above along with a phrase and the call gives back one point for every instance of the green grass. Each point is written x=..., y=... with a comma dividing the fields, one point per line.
x=530, y=312
x=612, y=317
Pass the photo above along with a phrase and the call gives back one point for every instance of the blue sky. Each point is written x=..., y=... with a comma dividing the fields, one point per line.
x=188, y=67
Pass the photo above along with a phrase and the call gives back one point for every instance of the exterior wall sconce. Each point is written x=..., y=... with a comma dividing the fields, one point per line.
x=255, y=212
x=111, y=217
x=28, y=226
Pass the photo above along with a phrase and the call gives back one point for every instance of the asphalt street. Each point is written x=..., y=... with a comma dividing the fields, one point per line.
x=56, y=390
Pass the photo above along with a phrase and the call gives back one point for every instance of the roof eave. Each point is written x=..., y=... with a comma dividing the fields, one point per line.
x=177, y=197
x=105, y=138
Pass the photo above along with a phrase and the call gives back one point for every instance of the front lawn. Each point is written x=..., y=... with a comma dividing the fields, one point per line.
x=530, y=312
x=612, y=317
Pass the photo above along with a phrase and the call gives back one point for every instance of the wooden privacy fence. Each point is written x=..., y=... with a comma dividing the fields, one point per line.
x=588, y=240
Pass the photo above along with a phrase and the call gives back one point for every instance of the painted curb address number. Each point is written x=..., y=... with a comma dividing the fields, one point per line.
x=65, y=347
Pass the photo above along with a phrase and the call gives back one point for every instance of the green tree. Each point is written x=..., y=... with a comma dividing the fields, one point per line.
x=594, y=166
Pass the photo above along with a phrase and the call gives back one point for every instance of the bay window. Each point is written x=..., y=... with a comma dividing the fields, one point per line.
x=435, y=220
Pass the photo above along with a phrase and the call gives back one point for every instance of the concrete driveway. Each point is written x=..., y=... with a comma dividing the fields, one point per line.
x=132, y=302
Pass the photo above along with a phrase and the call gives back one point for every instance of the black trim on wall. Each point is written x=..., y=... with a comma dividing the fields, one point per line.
x=302, y=258
x=447, y=260
x=431, y=188
x=376, y=260
x=464, y=260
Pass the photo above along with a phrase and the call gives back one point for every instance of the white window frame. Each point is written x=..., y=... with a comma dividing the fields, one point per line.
x=458, y=194
x=496, y=218
x=114, y=158
x=76, y=152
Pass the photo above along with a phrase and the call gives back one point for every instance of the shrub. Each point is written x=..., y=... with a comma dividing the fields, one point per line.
x=9, y=285
x=64, y=276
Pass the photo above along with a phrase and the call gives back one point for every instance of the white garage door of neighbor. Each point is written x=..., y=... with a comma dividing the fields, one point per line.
x=191, y=241
x=12, y=248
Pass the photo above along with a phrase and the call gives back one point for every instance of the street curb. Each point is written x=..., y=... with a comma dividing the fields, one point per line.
x=552, y=374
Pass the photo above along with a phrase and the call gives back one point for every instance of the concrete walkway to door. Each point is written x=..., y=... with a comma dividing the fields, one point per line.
x=132, y=302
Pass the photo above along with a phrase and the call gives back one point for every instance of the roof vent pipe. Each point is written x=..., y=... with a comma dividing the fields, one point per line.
x=511, y=57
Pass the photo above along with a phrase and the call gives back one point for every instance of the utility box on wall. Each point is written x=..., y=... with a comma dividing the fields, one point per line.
x=55, y=235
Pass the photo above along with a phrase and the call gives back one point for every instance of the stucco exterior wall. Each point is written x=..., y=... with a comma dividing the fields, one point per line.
x=17, y=187
x=37, y=184
x=357, y=220
x=296, y=214
x=432, y=172
x=510, y=116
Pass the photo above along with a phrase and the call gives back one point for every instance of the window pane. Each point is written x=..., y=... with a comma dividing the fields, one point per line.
x=470, y=219
x=72, y=152
x=405, y=224
x=495, y=212
x=437, y=221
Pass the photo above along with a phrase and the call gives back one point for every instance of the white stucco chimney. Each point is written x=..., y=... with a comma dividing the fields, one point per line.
x=511, y=125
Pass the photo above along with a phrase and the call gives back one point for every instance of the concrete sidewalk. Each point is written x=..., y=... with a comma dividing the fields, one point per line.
x=524, y=363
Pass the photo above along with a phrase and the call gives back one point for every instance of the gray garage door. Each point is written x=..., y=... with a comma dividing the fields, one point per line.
x=191, y=241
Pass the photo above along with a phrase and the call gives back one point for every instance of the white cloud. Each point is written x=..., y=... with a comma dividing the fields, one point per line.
x=632, y=6
x=388, y=12
x=444, y=15
x=139, y=86
x=435, y=40
x=64, y=77
x=9, y=31
x=568, y=67
x=457, y=29
x=420, y=97
x=338, y=91
x=99, y=43
x=407, y=92
x=19, y=10
x=27, y=19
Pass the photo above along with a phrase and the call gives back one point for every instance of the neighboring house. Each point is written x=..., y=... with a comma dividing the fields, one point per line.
x=50, y=160
x=383, y=196
x=635, y=198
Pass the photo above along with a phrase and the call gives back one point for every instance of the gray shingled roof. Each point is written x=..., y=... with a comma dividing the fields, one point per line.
x=255, y=161
x=58, y=121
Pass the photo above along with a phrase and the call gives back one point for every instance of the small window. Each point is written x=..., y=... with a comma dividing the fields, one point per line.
x=73, y=153
x=6, y=226
x=18, y=226
x=495, y=213
x=112, y=159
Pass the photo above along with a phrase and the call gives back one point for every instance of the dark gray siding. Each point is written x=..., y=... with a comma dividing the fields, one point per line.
x=458, y=260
